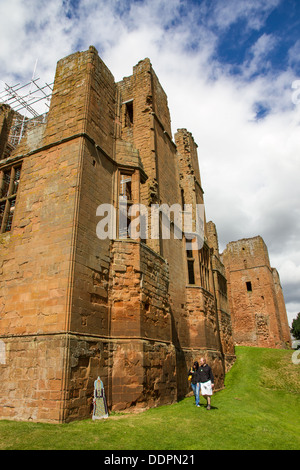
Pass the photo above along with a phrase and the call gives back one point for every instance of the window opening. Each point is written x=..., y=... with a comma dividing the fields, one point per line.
x=5, y=184
x=8, y=189
x=11, y=208
x=125, y=187
x=129, y=114
x=204, y=260
x=191, y=271
x=249, y=286
x=190, y=263
x=16, y=179
x=182, y=199
x=125, y=202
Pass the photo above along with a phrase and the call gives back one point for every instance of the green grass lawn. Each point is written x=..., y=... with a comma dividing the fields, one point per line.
x=258, y=409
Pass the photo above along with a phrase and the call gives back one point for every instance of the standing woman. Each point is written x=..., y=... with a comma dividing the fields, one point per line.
x=195, y=381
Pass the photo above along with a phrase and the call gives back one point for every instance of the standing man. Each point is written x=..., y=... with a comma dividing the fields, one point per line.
x=207, y=380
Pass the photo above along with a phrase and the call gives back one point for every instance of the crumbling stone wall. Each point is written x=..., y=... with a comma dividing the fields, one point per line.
x=75, y=306
x=6, y=118
x=257, y=316
x=42, y=256
x=221, y=293
x=141, y=326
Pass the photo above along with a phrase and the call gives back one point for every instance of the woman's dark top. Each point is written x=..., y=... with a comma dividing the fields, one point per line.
x=195, y=375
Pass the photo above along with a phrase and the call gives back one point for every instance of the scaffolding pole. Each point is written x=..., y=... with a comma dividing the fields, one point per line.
x=23, y=99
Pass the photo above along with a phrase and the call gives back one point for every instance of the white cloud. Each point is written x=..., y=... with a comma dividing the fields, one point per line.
x=258, y=62
x=294, y=53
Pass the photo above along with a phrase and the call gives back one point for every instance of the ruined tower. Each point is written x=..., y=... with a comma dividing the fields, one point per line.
x=255, y=295
x=74, y=304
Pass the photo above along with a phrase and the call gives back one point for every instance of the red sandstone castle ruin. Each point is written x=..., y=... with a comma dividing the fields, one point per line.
x=135, y=312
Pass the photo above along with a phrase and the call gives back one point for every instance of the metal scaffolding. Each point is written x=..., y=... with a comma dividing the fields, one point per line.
x=27, y=102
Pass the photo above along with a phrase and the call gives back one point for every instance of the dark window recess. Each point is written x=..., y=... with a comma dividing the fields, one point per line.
x=129, y=114
x=5, y=184
x=191, y=271
x=204, y=258
x=249, y=286
x=182, y=199
x=2, y=211
x=9, y=183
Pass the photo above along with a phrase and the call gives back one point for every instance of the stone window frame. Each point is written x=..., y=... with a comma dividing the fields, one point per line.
x=128, y=113
x=190, y=267
x=123, y=195
x=204, y=263
x=8, y=195
x=127, y=189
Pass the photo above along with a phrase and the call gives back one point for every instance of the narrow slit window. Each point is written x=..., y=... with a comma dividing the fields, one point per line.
x=191, y=271
x=249, y=286
x=182, y=199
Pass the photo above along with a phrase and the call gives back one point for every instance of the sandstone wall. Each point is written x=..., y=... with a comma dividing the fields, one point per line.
x=144, y=358
x=221, y=296
x=74, y=306
x=257, y=317
x=42, y=257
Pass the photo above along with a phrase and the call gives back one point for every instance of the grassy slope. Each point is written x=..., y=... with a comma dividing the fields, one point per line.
x=256, y=410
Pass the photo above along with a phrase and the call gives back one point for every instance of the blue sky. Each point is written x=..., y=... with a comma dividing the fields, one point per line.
x=228, y=68
x=282, y=24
